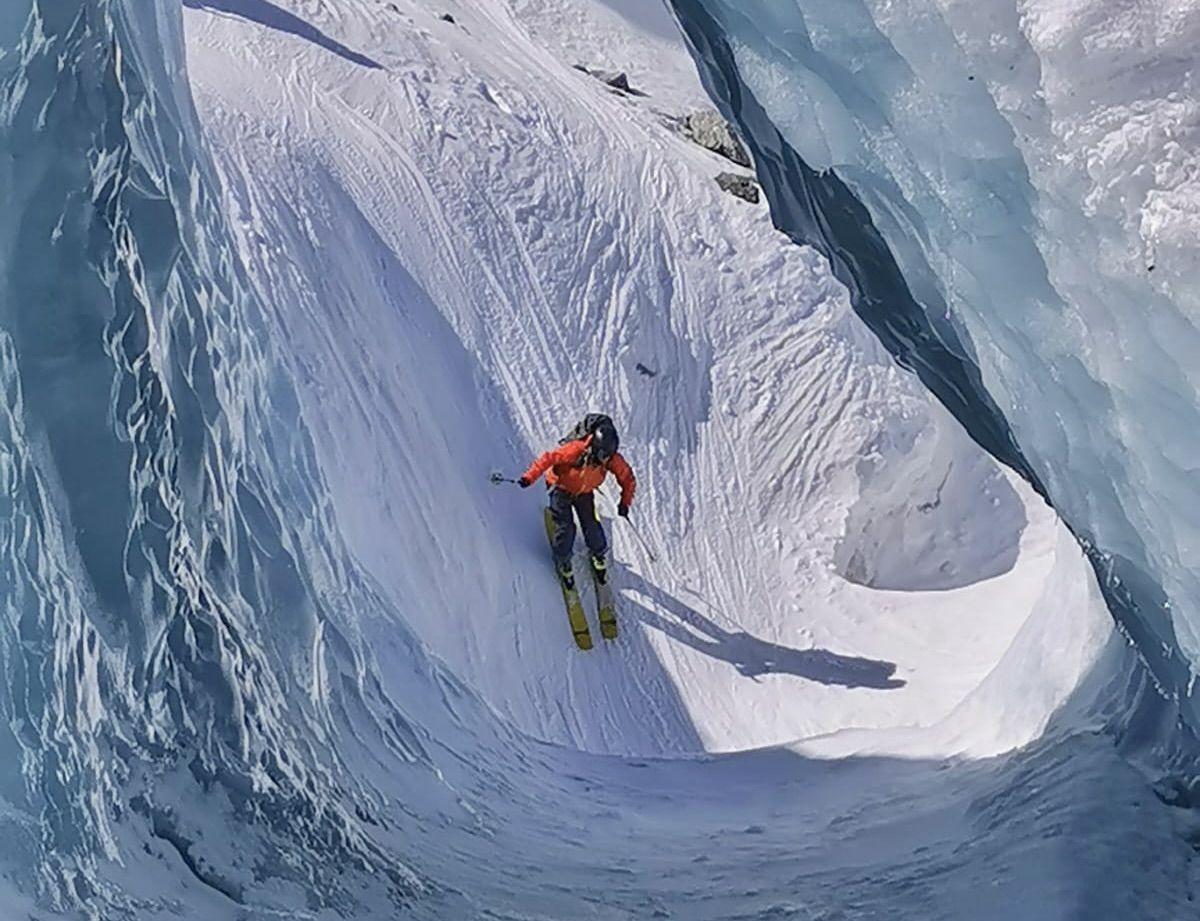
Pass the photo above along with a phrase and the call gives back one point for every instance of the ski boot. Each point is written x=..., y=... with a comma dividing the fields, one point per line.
x=600, y=568
x=565, y=575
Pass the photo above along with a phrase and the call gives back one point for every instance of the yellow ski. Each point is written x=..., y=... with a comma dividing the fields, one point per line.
x=579, y=625
x=605, y=606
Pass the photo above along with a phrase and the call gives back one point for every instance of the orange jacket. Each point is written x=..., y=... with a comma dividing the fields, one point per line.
x=564, y=470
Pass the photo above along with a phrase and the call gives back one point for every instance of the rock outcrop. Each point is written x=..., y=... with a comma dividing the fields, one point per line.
x=711, y=131
x=742, y=186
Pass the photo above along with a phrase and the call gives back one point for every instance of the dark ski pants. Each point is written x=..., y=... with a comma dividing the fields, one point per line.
x=563, y=508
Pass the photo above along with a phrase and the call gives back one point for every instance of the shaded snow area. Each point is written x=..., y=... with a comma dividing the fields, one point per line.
x=277, y=648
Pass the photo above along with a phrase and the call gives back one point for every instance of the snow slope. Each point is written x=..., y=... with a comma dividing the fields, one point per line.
x=468, y=244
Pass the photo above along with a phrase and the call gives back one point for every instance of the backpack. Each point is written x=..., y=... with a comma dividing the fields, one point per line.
x=588, y=426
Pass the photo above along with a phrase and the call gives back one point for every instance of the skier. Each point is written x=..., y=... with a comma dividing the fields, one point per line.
x=573, y=471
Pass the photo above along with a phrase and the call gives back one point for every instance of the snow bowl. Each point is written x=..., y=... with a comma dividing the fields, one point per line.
x=929, y=516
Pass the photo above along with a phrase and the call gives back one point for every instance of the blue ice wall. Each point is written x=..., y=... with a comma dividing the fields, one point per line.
x=179, y=616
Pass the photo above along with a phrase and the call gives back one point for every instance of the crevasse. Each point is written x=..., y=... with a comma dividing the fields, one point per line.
x=209, y=708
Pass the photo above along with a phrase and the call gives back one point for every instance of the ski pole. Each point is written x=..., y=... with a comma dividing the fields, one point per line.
x=496, y=478
x=645, y=545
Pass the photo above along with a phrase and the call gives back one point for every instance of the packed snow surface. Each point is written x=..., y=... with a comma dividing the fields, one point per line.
x=275, y=645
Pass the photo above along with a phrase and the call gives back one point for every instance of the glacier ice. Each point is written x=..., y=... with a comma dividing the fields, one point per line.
x=172, y=632
x=1030, y=180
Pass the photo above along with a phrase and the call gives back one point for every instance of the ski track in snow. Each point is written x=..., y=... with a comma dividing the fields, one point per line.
x=472, y=244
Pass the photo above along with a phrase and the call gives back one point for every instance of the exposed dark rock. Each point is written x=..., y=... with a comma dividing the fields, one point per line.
x=617, y=79
x=642, y=369
x=710, y=130
x=742, y=186
x=446, y=17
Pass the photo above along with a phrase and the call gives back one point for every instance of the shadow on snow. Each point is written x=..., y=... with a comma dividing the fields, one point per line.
x=750, y=655
x=271, y=16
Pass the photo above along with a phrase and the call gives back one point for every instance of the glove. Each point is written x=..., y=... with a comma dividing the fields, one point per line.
x=623, y=510
x=524, y=482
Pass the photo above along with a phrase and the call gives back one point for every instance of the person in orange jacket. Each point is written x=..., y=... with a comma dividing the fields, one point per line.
x=573, y=471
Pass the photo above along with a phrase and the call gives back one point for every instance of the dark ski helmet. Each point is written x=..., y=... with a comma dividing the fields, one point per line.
x=604, y=443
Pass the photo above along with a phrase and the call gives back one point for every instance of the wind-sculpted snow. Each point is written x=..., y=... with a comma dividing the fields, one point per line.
x=174, y=605
x=1011, y=192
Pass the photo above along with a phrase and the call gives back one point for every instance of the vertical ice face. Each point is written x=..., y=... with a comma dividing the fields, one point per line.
x=177, y=610
x=1031, y=170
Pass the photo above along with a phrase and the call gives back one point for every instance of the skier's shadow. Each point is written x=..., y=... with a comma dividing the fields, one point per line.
x=751, y=656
